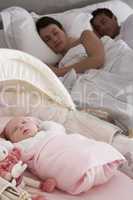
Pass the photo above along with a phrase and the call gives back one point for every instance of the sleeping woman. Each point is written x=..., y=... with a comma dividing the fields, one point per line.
x=53, y=34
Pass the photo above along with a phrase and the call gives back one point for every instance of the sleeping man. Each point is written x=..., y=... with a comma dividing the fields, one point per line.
x=75, y=162
x=104, y=22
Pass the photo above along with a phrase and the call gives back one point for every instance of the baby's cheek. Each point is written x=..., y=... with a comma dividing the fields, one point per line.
x=16, y=137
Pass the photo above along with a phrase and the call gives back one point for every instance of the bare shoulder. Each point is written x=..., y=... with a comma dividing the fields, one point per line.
x=87, y=34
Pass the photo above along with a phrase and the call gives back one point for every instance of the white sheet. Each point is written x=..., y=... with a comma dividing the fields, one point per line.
x=126, y=31
x=111, y=87
x=2, y=39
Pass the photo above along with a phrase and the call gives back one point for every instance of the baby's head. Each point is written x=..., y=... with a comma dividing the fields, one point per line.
x=20, y=128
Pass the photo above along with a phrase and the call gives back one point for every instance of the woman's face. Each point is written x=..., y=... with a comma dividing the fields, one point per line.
x=54, y=37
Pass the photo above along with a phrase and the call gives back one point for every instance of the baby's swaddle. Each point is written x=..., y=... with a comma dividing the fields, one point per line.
x=74, y=161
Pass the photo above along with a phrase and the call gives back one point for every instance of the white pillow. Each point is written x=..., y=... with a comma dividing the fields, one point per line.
x=2, y=39
x=20, y=33
x=76, y=20
x=79, y=24
x=73, y=22
x=20, y=30
x=119, y=8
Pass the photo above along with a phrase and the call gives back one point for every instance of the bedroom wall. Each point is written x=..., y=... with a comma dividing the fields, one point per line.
x=49, y=6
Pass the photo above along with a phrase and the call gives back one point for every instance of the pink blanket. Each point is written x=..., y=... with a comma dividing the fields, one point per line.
x=76, y=162
x=118, y=188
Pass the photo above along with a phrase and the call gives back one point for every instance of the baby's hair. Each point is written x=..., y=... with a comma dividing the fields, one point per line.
x=4, y=134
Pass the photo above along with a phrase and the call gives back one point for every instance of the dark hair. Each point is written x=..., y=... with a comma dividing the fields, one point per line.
x=4, y=134
x=100, y=11
x=46, y=21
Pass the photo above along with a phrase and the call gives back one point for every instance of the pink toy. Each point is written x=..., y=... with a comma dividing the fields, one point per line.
x=11, y=166
x=47, y=186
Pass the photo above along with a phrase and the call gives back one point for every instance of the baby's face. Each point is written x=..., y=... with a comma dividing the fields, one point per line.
x=20, y=128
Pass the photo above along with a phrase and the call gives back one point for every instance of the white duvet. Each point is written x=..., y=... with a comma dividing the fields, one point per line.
x=110, y=87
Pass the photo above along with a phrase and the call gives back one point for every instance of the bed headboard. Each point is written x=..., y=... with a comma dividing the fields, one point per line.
x=47, y=6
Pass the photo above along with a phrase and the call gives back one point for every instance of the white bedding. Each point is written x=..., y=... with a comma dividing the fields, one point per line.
x=36, y=95
x=111, y=87
x=2, y=39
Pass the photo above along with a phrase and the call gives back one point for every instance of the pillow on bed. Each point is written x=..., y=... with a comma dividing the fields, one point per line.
x=20, y=33
x=68, y=18
x=2, y=39
x=74, y=23
x=118, y=7
x=20, y=30
x=77, y=20
x=80, y=23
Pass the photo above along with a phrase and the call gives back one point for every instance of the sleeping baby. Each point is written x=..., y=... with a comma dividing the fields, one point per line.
x=74, y=162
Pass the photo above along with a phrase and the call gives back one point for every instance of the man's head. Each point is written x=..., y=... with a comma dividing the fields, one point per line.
x=20, y=128
x=104, y=22
x=52, y=33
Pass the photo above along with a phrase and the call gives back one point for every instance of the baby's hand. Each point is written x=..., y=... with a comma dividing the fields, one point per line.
x=48, y=185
